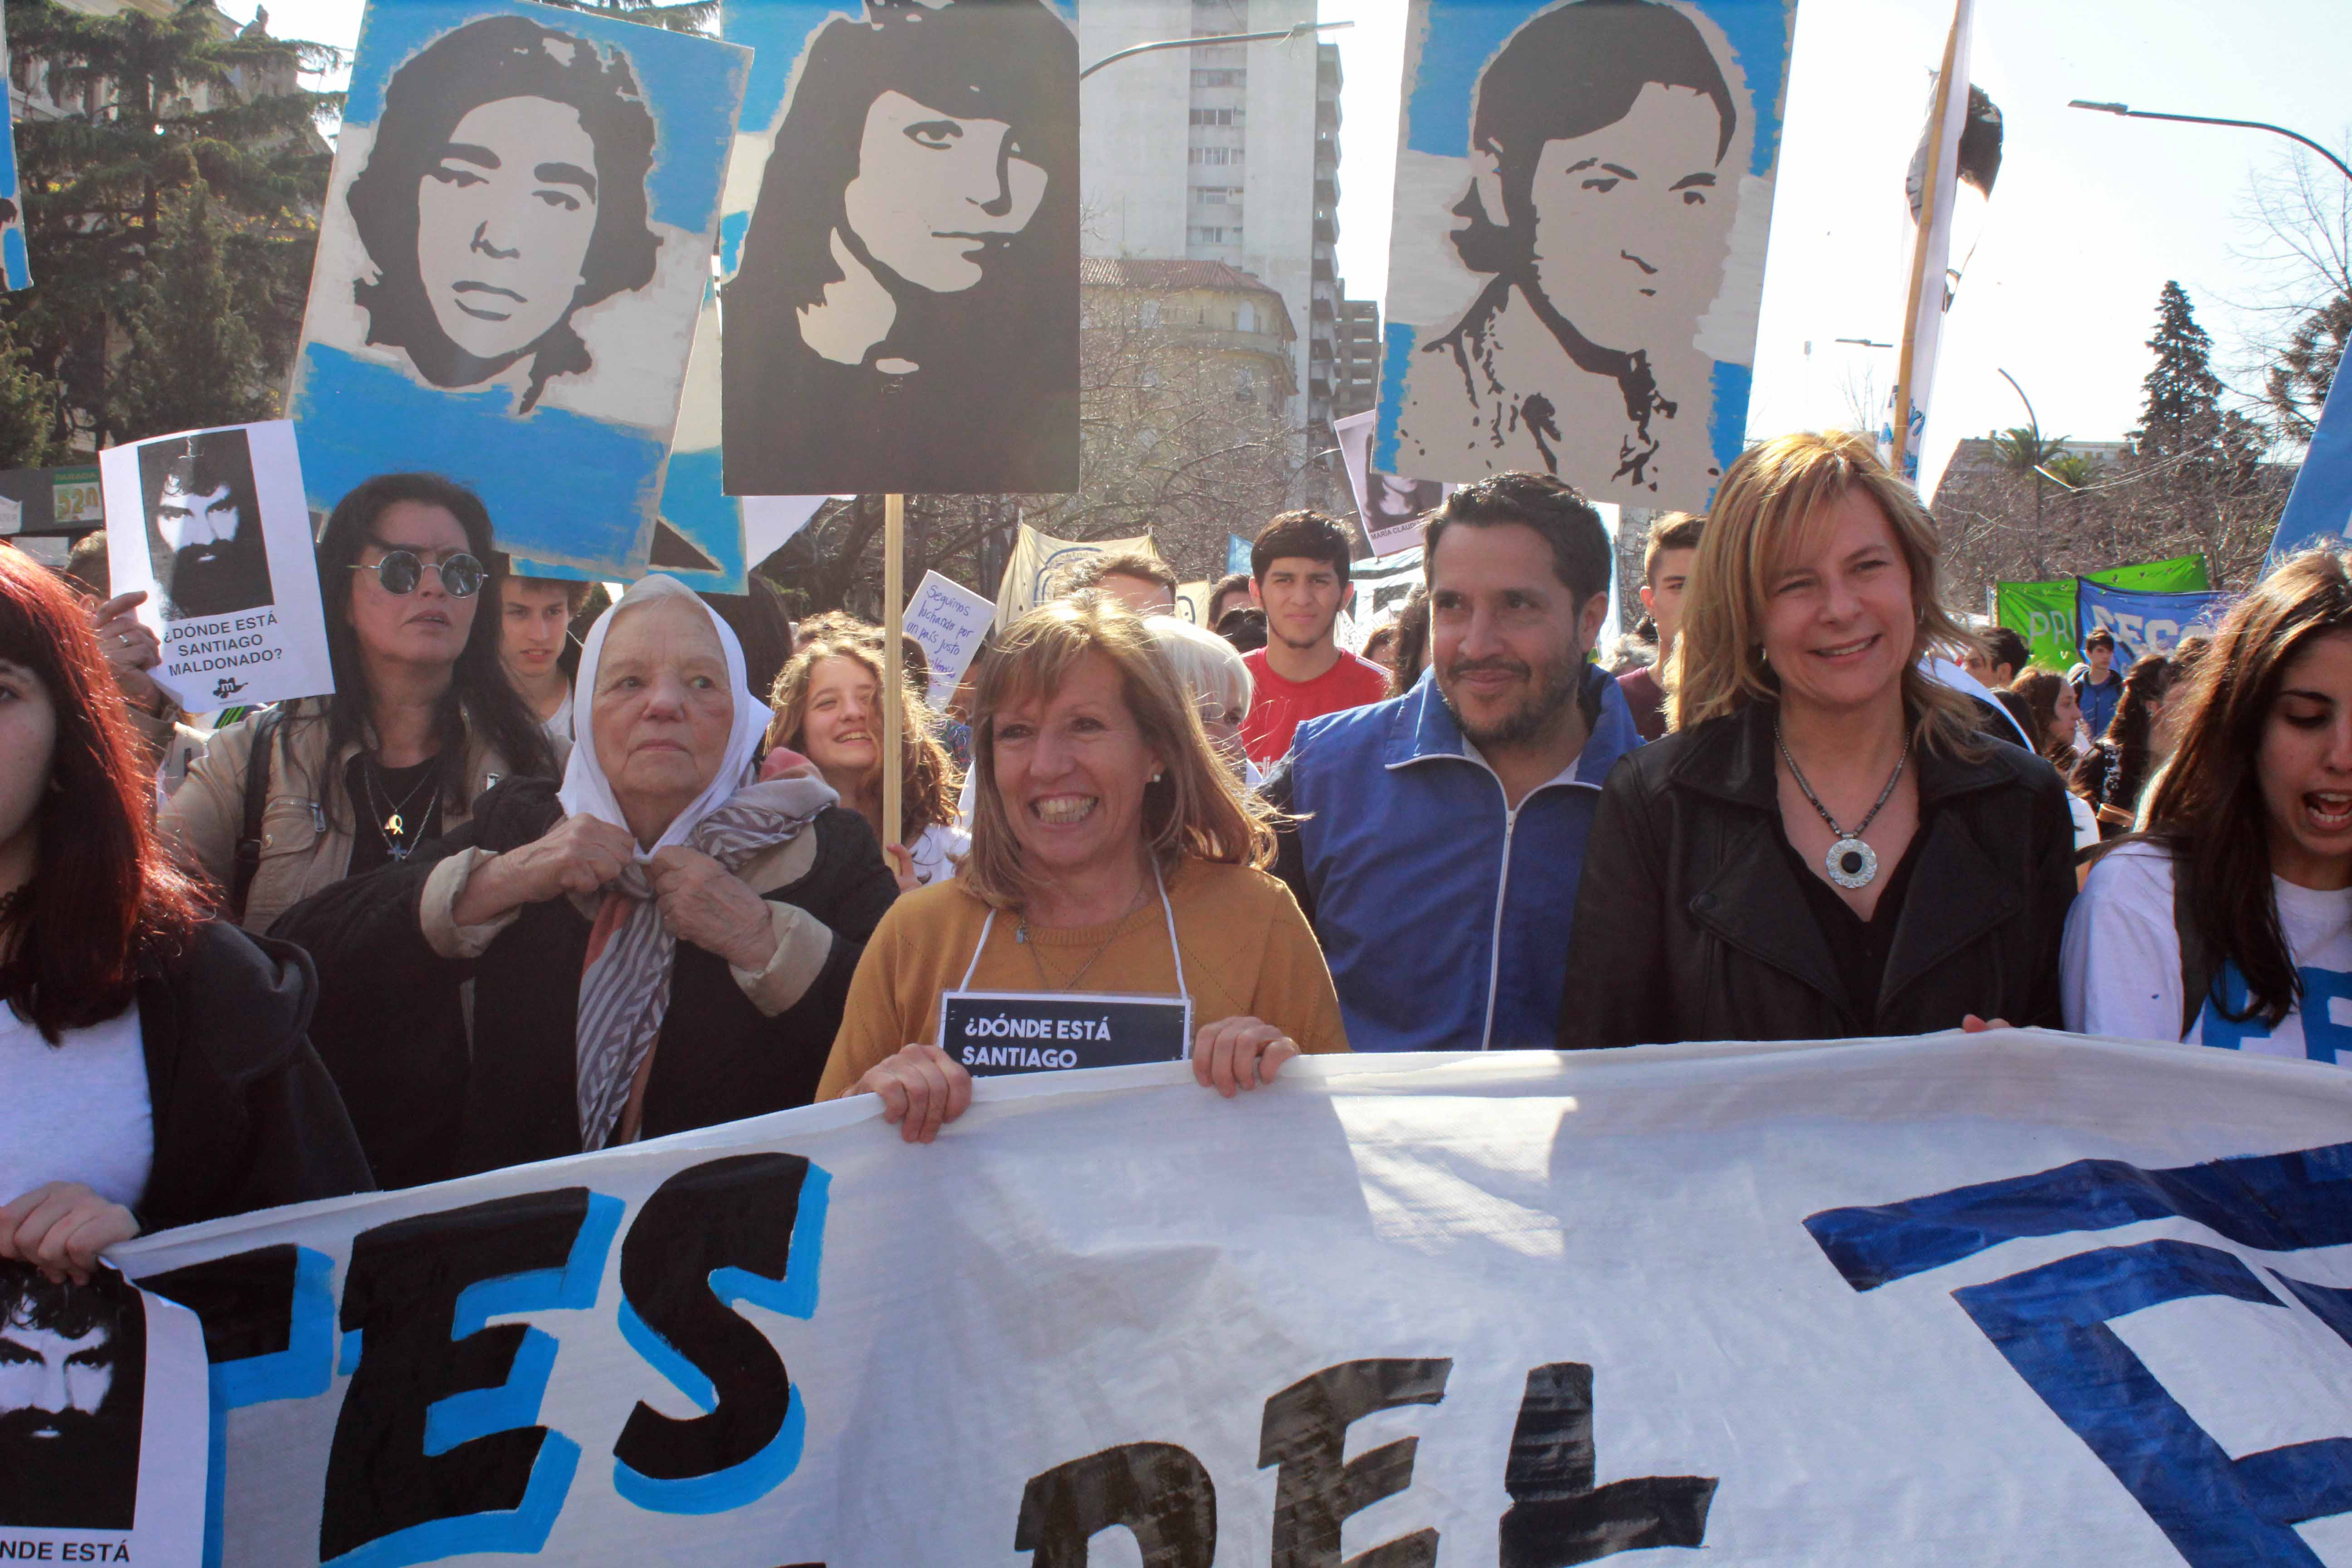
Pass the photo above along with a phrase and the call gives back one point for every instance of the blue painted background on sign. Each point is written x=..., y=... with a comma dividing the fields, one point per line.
x=2319, y=509
x=549, y=480
x=14, y=264
x=674, y=71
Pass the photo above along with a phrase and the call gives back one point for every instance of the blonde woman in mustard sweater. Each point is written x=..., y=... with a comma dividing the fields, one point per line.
x=1113, y=853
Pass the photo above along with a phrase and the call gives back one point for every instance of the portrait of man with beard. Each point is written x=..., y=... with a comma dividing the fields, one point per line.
x=73, y=1375
x=204, y=525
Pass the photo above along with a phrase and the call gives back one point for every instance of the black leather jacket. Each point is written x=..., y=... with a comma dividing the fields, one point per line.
x=1691, y=925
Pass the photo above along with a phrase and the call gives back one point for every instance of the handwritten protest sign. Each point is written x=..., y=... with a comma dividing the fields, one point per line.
x=211, y=526
x=950, y=620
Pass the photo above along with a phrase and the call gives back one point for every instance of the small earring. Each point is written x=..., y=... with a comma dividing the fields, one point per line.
x=1154, y=779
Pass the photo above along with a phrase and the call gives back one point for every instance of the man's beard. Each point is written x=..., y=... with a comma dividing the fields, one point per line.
x=1552, y=688
x=206, y=579
x=67, y=1469
x=1294, y=645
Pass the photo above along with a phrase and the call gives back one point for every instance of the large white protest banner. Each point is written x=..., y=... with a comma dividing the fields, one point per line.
x=949, y=620
x=103, y=1433
x=211, y=526
x=2013, y=1298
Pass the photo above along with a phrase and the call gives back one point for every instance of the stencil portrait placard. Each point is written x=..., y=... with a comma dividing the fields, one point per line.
x=515, y=244
x=901, y=310
x=1583, y=193
x=211, y=526
x=102, y=1422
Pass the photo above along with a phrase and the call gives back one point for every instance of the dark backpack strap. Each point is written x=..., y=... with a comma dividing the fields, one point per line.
x=256, y=796
x=2196, y=965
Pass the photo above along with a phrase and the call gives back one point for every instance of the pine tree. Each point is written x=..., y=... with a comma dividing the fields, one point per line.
x=2199, y=460
x=195, y=358
x=2297, y=385
x=2181, y=413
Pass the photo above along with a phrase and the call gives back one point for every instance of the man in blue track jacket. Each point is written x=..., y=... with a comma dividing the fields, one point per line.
x=1438, y=836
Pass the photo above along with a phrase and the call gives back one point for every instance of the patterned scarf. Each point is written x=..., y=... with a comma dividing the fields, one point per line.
x=624, y=985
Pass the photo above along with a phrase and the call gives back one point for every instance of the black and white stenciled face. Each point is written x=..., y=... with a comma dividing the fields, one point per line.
x=1632, y=221
x=504, y=218
x=199, y=525
x=935, y=192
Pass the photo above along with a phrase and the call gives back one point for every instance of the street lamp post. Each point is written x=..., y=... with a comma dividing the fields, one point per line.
x=2128, y=112
x=1303, y=30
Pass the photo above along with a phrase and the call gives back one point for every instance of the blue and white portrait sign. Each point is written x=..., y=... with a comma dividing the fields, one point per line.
x=515, y=248
x=1583, y=192
x=16, y=267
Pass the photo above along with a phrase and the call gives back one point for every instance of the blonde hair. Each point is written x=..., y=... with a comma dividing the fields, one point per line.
x=1211, y=668
x=1763, y=511
x=928, y=781
x=1197, y=811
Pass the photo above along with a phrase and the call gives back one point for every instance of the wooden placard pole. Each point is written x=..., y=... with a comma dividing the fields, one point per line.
x=894, y=660
x=1899, y=426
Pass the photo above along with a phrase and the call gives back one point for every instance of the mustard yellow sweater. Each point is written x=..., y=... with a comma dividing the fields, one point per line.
x=1247, y=951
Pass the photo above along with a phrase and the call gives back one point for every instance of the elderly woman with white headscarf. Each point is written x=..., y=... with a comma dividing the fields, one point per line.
x=709, y=922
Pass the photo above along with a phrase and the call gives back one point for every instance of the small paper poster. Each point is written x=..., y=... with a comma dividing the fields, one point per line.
x=104, y=1422
x=1389, y=507
x=212, y=526
x=950, y=620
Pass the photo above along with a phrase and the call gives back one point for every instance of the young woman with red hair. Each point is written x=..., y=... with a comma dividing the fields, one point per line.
x=156, y=1063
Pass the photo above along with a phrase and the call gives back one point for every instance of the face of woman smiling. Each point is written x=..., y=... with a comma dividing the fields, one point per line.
x=838, y=732
x=1839, y=620
x=1072, y=769
x=662, y=712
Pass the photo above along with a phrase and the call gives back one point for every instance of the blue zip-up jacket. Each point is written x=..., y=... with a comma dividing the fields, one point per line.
x=1444, y=916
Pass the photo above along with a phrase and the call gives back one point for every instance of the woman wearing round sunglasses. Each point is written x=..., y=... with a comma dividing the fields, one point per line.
x=423, y=720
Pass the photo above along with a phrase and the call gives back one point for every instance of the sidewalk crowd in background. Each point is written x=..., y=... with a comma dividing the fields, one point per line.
x=548, y=873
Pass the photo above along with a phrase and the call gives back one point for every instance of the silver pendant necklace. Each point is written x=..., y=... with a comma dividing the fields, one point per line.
x=1849, y=862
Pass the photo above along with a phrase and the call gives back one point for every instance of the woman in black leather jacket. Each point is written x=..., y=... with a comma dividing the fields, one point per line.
x=1823, y=847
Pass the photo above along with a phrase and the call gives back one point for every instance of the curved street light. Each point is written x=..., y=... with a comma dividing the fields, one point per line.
x=2130, y=113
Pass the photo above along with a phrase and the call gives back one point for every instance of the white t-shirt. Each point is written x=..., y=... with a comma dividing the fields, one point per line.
x=2120, y=965
x=77, y=1111
x=558, y=724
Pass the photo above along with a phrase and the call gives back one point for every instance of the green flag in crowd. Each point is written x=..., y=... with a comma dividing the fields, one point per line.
x=2044, y=613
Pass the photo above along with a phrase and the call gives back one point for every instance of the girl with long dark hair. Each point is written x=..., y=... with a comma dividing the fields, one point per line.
x=2234, y=909
x=2113, y=772
x=158, y=1072
x=422, y=720
x=906, y=314
x=828, y=707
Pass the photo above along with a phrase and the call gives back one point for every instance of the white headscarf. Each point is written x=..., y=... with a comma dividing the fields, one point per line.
x=586, y=787
x=624, y=982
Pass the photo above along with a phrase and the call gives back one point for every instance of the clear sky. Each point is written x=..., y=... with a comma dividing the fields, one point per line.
x=2091, y=215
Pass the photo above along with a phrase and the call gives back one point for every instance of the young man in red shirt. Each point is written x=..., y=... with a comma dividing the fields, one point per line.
x=1298, y=572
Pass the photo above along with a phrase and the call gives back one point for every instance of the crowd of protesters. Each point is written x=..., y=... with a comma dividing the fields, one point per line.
x=517, y=892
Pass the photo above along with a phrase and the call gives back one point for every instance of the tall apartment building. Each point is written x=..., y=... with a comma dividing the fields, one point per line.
x=1356, y=365
x=1225, y=153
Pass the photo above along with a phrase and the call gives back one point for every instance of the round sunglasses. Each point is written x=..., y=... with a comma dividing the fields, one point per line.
x=400, y=570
